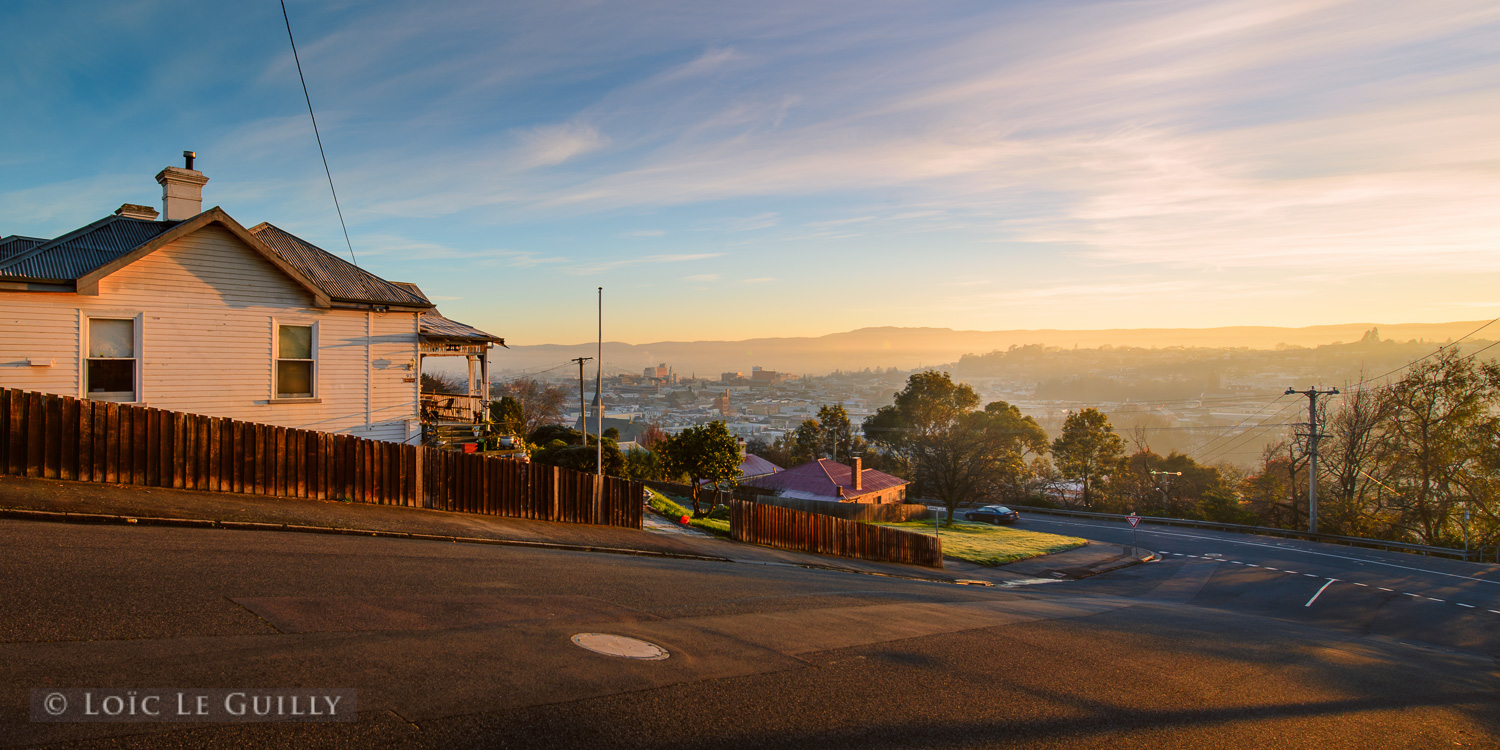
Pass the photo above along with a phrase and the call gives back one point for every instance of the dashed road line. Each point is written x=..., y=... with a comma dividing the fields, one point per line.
x=1284, y=547
x=1461, y=604
x=1432, y=599
x=1382, y=588
x=1366, y=585
x=1496, y=611
x=1270, y=568
x=1408, y=593
x=1236, y=562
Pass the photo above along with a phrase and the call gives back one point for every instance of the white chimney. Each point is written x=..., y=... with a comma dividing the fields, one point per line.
x=181, y=190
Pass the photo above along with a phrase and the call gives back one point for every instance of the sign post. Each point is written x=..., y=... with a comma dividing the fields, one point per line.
x=1133, y=519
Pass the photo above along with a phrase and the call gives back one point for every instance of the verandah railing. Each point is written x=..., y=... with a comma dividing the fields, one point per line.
x=61, y=437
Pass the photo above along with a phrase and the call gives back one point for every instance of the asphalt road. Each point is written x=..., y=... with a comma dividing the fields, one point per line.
x=454, y=645
x=1412, y=598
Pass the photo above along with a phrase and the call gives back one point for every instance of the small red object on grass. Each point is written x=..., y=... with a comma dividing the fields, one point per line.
x=685, y=520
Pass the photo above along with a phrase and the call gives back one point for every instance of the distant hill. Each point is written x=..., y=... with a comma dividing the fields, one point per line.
x=908, y=348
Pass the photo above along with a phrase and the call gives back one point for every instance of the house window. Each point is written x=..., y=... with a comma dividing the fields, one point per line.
x=296, y=367
x=110, y=370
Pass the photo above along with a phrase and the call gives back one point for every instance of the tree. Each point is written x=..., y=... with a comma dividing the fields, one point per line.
x=1439, y=420
x=563, y=446
x=540, y=404
x=1025, y=442
x=955, y=452
x=1088, y=450
x=706, y=452
x=441, y=382
x=508, y=415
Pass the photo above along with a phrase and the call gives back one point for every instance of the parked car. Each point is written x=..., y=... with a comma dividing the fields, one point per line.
x=996, y=514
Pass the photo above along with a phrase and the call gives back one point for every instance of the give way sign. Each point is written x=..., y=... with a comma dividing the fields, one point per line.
x=1133, y=519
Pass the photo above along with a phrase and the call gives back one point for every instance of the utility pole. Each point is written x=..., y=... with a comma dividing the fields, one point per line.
x=599, y=388
x=1162, y=485
x=583, y=408
x=1313, y=435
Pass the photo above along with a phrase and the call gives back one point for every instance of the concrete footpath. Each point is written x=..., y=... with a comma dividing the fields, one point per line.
x=82, y=502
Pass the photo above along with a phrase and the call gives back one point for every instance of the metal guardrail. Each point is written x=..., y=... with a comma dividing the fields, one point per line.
x=1353, y=541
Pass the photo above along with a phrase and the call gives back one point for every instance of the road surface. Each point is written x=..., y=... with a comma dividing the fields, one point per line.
x=452, y=645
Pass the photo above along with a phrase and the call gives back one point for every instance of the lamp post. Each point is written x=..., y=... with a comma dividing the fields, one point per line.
x=1162, y=486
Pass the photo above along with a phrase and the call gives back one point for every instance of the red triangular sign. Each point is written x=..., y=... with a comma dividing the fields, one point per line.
x=1133, y=519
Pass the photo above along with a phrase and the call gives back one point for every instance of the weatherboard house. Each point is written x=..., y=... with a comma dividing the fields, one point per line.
x=193, y=312
x=829, y=480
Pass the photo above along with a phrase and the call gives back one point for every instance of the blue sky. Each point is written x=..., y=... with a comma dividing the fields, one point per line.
x=735, y=170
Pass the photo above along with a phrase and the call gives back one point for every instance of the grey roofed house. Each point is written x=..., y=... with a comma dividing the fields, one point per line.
x=187, y=310
x=71, y=261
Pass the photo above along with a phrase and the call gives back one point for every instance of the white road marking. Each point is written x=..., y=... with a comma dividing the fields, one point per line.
x=1310, y=575
x=1320, y=592
x=1366, y=585
x=1270, y=568
x=1283, y=548
x=1236, y=562
x=1461, y=604
x=1293, y=572
x=1434, y=600
x=1408, y=593
x=1253, y=565
x=1382, y=588
x=1496, y=611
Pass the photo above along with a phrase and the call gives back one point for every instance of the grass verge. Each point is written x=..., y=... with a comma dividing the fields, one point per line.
x=992, y=545
x=669, y=507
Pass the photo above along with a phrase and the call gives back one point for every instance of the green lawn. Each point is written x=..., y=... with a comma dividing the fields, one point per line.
x=669, y=507
x=992, y=545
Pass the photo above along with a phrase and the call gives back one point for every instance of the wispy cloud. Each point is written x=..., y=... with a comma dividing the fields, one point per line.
x=610, y=265
x=554, y=144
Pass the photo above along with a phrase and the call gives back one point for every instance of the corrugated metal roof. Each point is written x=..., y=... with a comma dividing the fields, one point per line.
x=341, y=280
x=15, y=244
x=753, y=466
x=824, y=477
x=82, y=250
x=435, y=326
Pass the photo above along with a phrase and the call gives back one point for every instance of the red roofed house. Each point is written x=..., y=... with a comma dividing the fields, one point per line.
x=752, y=466
x=832, y=481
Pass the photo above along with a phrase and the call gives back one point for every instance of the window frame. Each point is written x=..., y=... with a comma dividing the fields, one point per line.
x=85, y=331
x=275, y=396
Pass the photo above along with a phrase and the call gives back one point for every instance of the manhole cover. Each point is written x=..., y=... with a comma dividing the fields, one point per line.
x=619, y=645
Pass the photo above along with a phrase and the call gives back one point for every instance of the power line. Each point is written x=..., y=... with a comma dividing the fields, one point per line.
x=1430, y=355
x=319, y=138
x=1239, y=440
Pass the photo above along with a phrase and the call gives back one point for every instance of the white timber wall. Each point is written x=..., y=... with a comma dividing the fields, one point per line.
x=206, y=306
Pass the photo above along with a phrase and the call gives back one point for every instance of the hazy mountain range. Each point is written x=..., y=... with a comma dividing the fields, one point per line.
x=908, y=348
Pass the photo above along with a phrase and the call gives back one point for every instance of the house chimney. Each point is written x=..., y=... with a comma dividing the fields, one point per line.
x=858, y=467
x=136, y=211
x=181, y=190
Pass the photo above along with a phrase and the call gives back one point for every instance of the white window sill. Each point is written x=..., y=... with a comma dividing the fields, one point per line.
x=274, y=401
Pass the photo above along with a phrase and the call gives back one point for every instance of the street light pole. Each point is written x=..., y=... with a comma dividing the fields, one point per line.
x=1161, y=486
x=599, y=388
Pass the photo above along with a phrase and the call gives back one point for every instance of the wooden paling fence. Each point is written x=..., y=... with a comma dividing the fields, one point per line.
x=786, y=528
x=60, y=437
